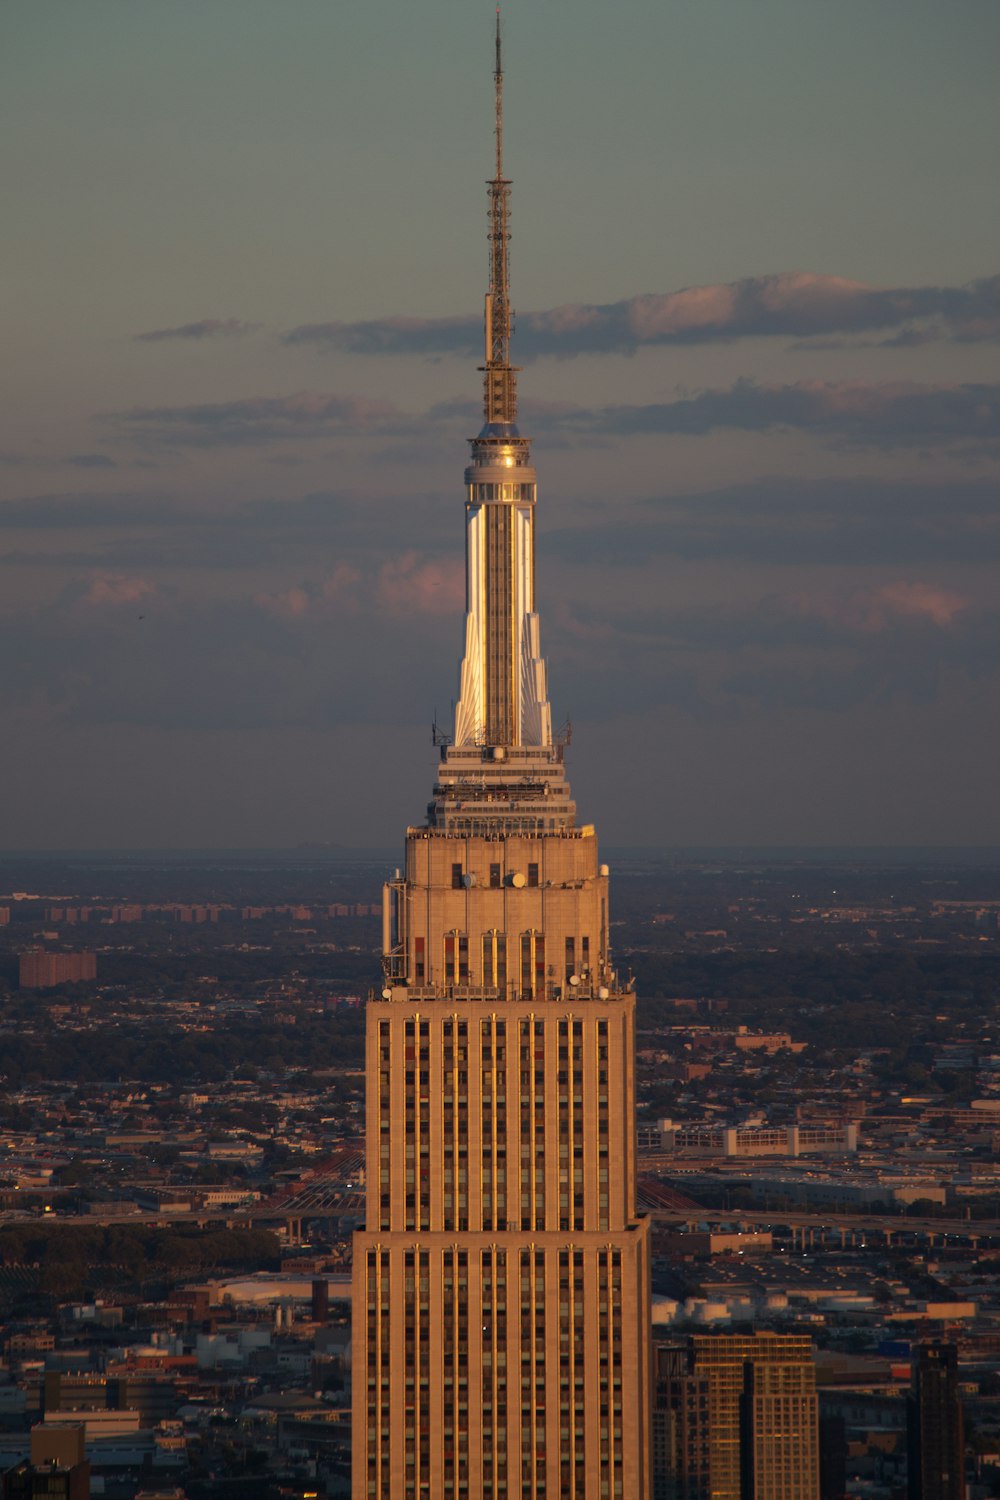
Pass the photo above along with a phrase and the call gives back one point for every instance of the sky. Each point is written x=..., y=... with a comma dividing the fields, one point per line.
x=757, y=278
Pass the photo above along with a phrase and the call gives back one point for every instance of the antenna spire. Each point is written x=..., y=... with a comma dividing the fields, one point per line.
x=498, y=81
x=499, y=393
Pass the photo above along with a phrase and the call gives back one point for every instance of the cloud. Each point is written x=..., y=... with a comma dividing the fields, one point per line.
x=116, y=589
x=91, y=461
x=411, y=585
x=258, y=420
x=855, y=521
x=852, y=521
x=873, y=610
x=156, y=533
x=300, y=599
x=907, y=641
x=99, y=509
x=795, y=304
x=207, y=328
x=198, y=660
x=291, y=603
x=857, y=413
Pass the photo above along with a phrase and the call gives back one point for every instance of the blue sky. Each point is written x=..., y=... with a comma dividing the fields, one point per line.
x=756, y=271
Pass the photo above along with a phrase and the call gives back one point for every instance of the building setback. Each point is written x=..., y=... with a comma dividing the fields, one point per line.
x=501, y=1283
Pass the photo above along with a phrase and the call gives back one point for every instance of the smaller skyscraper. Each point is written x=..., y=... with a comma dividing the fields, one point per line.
x=934, y=1426
x=680, y=1428
x=832, y=1455
x=779, y=1432
x=735, y=1417
x=732, y=1364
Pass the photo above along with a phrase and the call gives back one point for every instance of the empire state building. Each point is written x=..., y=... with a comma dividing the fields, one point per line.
x=501, y=1283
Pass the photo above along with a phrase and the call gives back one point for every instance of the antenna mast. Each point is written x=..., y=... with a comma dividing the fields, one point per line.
x=499, y=393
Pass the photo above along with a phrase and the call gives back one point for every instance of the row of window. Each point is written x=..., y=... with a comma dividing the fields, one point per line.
x=488, y=1027
x=454, y=1352
x=494, y=965
x=478, y=492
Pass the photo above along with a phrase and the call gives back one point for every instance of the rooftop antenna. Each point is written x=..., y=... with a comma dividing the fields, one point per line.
x=499, y=388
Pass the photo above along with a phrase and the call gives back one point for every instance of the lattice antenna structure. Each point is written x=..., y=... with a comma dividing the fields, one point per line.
x=499, y=385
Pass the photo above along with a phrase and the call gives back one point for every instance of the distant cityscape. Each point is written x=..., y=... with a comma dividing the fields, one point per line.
x=182, y=1168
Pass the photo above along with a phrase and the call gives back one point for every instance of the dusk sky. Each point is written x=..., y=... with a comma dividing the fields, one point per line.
x=756, y=263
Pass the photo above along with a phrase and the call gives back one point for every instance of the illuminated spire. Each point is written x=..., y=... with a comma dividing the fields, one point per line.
x=499, y=386
x=503, y=700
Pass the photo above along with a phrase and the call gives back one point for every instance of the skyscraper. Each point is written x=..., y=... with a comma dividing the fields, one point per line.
x=935, y=1429
x=763, y=1414
x=779, y=1432
x=682, y=1430
x=501, y=1298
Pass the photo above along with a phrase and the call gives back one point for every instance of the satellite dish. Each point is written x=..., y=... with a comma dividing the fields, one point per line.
x=387, y=994
x=574, y=979
x=468, y=881
x=603, y=993
x=517, y=880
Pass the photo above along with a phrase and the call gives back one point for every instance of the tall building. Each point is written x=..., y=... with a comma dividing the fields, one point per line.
x=681, y=1437
x=501, y=1284
x=57, y=1469
x=763, y=1415
x=779, y=1432
x=935, y=1429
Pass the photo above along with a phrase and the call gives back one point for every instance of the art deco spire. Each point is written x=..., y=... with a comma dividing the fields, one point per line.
x=503, y=701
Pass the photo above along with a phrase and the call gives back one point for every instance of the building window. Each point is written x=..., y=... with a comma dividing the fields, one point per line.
x=532, y=874
x=456, y=958
x=456, y=877
x=495, y=959
x=419, y=959
x=494, y=877
x=532, y=964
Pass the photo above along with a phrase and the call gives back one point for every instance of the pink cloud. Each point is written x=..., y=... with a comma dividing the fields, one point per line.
x=302, y=598
x=116, y=588
x=432, y=587
x=340, y=582
x=289, y=604
x=924, y=600
x=874, y=610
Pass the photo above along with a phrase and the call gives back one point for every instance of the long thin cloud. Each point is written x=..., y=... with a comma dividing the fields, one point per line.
x=206, y=328
x=862, y=414
x=257, y=420
x=796, y=305
x=857, y=413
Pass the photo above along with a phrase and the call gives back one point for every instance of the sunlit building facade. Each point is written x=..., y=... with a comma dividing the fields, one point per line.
x=501, y=1283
